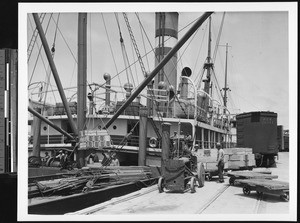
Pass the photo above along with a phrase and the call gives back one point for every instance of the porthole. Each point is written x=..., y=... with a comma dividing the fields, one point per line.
x=45, y=128
x=114, y=127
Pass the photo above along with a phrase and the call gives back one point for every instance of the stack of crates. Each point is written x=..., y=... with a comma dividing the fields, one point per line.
x=94, y=139
x=234, y=158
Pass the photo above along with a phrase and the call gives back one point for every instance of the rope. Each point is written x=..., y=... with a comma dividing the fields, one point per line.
x=49, y=70
x=200, y=50
x=144, y=45
x=65, y=42
x=218, y=38
x=39, y=53
x=112, y=54
x=123, y=48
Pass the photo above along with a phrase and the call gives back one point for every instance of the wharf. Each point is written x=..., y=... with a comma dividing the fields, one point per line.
x=213, y=198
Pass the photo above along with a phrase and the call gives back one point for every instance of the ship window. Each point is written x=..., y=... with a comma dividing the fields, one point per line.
x=255, y=117
x=114, y=127
x=45, y=128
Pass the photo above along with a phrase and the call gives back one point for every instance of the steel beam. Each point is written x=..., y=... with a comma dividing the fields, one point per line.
x=35, y=113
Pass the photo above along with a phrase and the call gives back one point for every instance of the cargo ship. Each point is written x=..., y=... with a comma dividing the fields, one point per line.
x=135, y=133
x=138, y=132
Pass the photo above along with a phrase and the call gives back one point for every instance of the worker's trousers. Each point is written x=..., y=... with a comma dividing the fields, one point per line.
x=220, y=170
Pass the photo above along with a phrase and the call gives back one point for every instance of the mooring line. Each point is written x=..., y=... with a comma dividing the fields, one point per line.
x=218, y=194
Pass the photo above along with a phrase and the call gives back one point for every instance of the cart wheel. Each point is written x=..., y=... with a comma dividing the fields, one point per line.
x=192, y=184
x=209, y=177
x=160, y=185
x=285, y=197
x=246, y=190
x=259, y=193
x=200, y=174
x=231, y=181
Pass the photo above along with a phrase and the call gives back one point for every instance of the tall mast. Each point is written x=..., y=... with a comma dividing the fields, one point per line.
x=208, y=65
x=81, y=80
x=225, y=86
x=81, y=74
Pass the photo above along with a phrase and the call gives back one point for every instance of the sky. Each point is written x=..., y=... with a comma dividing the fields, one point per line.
x=258, y=56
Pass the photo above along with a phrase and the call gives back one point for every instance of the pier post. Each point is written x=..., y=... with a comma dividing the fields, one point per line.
x=36, y=134
x=143, y=136
x=165, y=145
x=202, y=137
x=209, y=139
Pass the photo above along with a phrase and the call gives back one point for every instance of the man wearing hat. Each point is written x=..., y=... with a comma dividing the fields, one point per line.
x=220, y=162
x=61, y=157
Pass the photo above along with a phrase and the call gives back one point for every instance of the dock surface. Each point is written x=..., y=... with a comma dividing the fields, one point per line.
x=213, y=198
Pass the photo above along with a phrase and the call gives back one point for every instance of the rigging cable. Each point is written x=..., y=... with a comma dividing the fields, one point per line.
x=199, y=51
x=49, y=70
x=124, y=52
x=144, y=45
x=219, y=37
x=112, y=54
x=219, y=92
x=34, y=37
x=65, y=41
x=39, y=53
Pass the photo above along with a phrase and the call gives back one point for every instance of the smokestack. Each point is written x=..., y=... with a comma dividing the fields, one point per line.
x=166, y=37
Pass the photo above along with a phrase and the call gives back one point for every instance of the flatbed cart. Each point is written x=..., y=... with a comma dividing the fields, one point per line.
x=234, y=175
x=178, y=176
x=210, y=169
x=262, y=186
x=210, y=173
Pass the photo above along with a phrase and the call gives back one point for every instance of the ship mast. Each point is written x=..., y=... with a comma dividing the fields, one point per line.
x=225, y=86
x=208, y=65
x=81, y=80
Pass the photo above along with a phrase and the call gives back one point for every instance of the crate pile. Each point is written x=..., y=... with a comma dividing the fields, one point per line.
x=239, y=158
x=235, y=158
x=94, y=139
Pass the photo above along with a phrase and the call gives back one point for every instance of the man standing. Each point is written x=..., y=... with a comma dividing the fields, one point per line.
x=115, y=160
x=220, y=162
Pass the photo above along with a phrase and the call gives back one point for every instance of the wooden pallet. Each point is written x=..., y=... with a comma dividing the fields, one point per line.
x=234, y=175
x=261, y=186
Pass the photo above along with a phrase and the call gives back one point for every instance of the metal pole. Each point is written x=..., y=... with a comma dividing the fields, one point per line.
x=226, y=88
x=180, y=43
x=143, y=136
x=81, y=74
x=54, y=71
x=35, y=113
x=165, y=145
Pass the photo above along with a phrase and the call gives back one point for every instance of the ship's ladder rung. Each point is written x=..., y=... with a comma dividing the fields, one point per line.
x=33, y=38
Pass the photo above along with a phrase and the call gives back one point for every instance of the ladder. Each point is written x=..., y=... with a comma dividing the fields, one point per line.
x=33, y=38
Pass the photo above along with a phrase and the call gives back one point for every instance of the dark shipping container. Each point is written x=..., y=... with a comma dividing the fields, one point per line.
x=258, y=130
